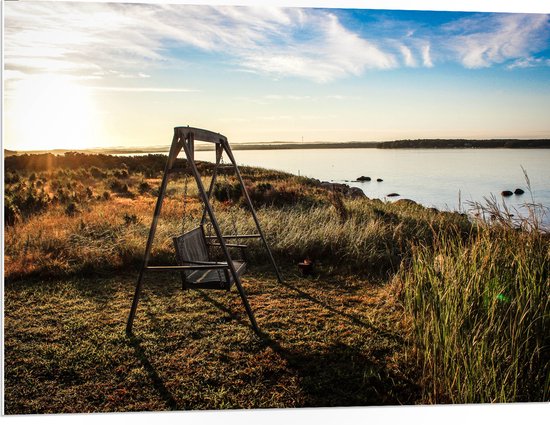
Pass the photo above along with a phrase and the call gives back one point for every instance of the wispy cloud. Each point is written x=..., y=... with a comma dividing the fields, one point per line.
x=477, y=41
x=111, y=41
x=331, y=51
x=485, y=40
x=407, y=56
x=426, y=56
x=77, y=39
x=118, y=74
x=144, y=89
x=529, y=62
x=97, y=38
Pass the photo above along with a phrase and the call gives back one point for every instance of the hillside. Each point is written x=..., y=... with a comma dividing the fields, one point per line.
x=404, y=305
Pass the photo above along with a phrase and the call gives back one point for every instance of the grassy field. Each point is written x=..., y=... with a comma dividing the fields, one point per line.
x=407, y=305
x=336, y=343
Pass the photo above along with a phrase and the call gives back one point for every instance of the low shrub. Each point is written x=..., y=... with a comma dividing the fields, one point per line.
x=11, y=177
x=226, y=191
x=118, y=186
x=120, y=174
x=71, y=209
x=27, y=199
x=97, y=173
x=130, y=219
x=144, y=187
x=11, y=212
x=283, y=194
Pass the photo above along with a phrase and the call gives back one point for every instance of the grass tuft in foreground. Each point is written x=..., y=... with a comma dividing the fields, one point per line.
x=480, y=313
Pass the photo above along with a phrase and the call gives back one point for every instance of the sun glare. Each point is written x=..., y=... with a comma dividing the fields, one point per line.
x=51, y=112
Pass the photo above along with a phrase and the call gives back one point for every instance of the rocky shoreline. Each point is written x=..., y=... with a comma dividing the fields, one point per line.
x=355, y=192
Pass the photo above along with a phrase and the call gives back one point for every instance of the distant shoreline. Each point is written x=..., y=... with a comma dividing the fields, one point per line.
x=396, y=144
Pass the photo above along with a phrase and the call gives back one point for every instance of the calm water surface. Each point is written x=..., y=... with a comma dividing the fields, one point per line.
x=445, y=179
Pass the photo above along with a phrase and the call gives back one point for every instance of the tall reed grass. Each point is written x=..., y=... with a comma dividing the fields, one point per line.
x=480, y=313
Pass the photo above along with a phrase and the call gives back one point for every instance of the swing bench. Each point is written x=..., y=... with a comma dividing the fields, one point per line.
x=198, y=267
x=193, y=249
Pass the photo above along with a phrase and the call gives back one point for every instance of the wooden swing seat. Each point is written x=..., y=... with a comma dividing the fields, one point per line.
x=192, y=249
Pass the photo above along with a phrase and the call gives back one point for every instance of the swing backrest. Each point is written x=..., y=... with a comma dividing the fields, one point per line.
x=191, y=246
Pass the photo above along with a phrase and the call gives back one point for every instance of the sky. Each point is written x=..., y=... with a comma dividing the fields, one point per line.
x=82, y=75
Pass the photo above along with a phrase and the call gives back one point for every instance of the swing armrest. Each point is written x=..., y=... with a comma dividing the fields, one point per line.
x=229, y=245
x=207, y=263
x=234, y=237
x=242, y=248
x=205, y=266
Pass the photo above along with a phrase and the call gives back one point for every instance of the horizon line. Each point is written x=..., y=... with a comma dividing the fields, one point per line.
x=203, y=146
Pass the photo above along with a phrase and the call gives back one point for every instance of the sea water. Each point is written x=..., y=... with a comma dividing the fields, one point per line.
x=448, y=179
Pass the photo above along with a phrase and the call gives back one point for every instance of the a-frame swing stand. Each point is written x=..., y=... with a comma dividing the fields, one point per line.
x=184, y=139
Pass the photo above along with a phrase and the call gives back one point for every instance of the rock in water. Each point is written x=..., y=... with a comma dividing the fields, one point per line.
x=379, y=180
x=519, y=191
x=363, y=179
x=344, y=189
x=506, y=193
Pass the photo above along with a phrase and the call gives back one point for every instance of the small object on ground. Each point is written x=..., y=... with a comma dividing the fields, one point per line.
x=519, y=191
x=393, y=194
x=506, y=193
x=307, y=266
x=363, y=179
x=379, y=180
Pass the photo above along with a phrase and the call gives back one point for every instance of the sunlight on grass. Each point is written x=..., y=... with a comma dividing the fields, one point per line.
x=406, y=304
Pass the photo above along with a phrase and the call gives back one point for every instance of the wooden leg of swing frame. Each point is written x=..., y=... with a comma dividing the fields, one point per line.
x=174, y=150
x=215, y=225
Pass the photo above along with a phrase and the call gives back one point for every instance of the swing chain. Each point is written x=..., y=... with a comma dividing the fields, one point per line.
x=230, y=203
x=184, y=215
x=221, y=276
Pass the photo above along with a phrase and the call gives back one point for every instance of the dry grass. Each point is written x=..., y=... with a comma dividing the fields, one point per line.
x=104, y=235
x=351, y=335
x=327, y=342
